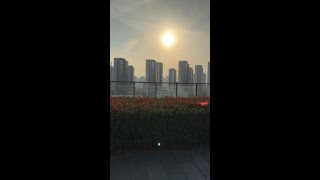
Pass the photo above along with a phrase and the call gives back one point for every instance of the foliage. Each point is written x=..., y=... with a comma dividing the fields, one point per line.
x=143, y=122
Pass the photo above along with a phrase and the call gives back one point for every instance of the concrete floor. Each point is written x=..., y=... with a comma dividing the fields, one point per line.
x=162, y=165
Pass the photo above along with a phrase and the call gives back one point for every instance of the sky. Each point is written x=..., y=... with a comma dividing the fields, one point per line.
x=137, y=27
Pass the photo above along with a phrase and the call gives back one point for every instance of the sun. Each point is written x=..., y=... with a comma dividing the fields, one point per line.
x=168, y=39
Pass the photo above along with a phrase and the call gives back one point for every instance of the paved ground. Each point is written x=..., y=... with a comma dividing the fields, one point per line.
x=162, y=165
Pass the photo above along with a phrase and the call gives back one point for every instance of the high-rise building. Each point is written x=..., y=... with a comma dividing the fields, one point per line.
x=120, y=75
x=126, y=71
x=199, y=73
x=184, y=75
x=203, y=91
x=112, y=79
x=159, y=72
x=208, y=72
x=151, y=76
x=172, y=78
x=120, y=68
x=189, y=87
x=172, y=75
x=190, y=75
x=183, y=72
x=150, y=70
x=111, y=73
x=204, y=76
x=131, y=74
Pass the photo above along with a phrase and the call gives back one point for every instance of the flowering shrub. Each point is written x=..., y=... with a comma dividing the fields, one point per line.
x=143, y=122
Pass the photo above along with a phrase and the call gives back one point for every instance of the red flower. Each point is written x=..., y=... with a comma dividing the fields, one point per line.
x=203, y=103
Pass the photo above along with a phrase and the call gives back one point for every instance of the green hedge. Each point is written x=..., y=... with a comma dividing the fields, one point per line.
x=145, y=128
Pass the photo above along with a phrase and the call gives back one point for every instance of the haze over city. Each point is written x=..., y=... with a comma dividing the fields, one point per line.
x=167, y=31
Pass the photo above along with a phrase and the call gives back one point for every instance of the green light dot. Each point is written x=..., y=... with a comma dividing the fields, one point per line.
x=158, y=144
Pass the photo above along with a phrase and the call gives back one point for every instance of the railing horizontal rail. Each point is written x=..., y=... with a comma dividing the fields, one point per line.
x=154, y=82
x=159, y=89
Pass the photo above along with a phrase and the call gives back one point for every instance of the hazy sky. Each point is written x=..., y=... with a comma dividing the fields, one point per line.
x=137, y=27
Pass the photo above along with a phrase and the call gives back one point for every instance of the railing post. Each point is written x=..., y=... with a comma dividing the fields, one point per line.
x=134, y=89
x=196, y=89
x=176, y=90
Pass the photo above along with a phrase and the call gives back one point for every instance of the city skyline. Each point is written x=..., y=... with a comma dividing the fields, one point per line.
x=122, y=75
x=168, y=31
x=154, y=72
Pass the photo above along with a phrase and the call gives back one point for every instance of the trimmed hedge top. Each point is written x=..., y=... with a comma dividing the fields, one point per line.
x=154, y=104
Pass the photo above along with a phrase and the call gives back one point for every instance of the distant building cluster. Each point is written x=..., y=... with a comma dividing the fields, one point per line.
x=125, y=83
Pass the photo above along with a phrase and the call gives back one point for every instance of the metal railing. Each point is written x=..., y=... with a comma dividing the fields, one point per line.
x=159, y=89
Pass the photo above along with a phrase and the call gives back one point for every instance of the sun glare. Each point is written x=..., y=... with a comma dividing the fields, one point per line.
x=168, y=39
